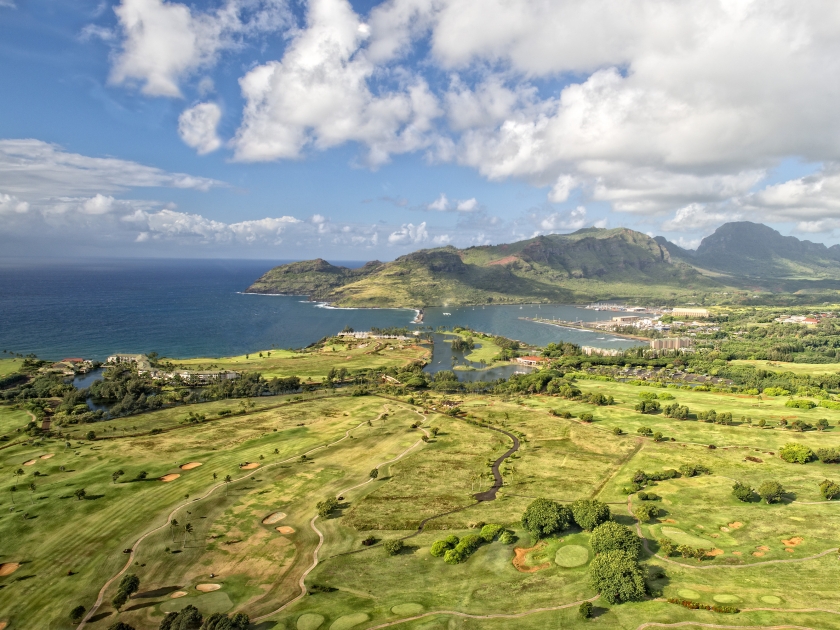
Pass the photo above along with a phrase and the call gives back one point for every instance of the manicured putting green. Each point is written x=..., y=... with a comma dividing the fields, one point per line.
x=407, y=609
x=688, y=593
x=572, y=556
x=726, y=599
x=683, y=538
x=310, y=621
x=208, y=603
x=771, y=599
x=348, y=621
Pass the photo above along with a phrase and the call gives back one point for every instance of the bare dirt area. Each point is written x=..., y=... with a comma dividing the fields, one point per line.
x=519, y=559
x=7, y=568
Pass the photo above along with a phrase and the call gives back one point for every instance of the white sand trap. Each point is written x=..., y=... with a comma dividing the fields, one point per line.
x=407, y=609
x=310, y=621
x=30, y=462
x=48, y=455
x=273, y=518
x=206, y=588
x=250, y=466
x=771, y=599
x=170, y=477
x=190, y=466
x=348, y=621
x=178, y=594
x=285, y=529
x=7, y=568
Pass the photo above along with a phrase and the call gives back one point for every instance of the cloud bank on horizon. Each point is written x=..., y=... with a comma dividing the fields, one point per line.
x=667, y=116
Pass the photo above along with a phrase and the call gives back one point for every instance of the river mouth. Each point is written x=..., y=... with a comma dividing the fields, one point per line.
x=445, y=358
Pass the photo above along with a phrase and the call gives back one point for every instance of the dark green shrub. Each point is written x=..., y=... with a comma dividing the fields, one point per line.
x=742, y=491
x=392, y=547
x=796, y=453
x=611, y=535
x=589, y=513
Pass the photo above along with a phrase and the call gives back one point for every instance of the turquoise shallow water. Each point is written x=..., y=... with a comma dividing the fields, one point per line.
x=189, y=308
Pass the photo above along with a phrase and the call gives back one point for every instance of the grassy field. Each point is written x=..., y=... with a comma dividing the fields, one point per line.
x=68, y=547
x=8, y=366
x=315, y=365
x=796, y=368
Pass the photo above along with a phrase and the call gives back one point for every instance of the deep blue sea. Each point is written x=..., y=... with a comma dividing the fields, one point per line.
x=194, y=308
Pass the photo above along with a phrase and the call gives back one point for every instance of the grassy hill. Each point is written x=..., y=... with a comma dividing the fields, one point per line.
x=588, y=264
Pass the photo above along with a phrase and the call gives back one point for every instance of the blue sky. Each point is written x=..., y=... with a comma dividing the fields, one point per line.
x=266, y=128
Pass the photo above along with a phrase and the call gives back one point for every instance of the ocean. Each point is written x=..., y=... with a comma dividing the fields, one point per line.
x=195, y=308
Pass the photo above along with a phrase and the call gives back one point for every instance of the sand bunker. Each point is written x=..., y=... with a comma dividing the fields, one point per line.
x=30, y=462
x=763, y=548
x=758, y=554
x=519, y=559
x=169, y=477
x=190, y=466
x=206, y=588
x=714, y=552
x=48, y=455
x=178, y=594
x=792, y=542
x=3, y=625
x=285, y=529
x=250, y=466
x=273, y=518
x=736, y=525
x=7, y=568
x=725, y=530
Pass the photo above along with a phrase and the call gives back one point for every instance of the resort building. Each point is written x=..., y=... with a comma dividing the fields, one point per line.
x=670, y=343
x=531, y=360
x=604, y=352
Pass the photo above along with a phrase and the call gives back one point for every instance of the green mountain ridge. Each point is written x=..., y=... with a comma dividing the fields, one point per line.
x=588, y=264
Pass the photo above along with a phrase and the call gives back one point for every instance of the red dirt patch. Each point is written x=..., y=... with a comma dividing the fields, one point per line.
x=7, y=568
x=189, y=466
x=715, y=552
x=790, y=549
x=519, y=559
x=169, y=477
x=736, y=553
x=736, y=525
x=503, y=261
x=750, y=458
x=763, y=548
x=3, y=625
x=792, y=542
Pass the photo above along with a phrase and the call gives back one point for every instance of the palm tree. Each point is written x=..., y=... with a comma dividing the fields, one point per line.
x=228, y=479
x=172, y=525
x=32, y=489
x=188, y=530
x=19, y=473
x=13, y=489
x=215, y=476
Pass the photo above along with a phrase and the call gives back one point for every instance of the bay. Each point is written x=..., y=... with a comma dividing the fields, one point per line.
x=195, y=308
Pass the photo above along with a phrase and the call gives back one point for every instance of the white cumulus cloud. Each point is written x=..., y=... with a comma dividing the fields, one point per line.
x=409, y=234
x=197, y=127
